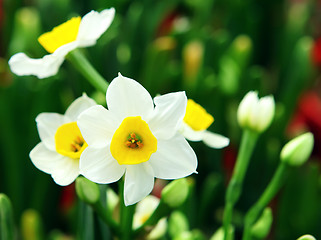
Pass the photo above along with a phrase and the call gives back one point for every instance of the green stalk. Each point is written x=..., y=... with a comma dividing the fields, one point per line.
x=81, y=63
x=126, y=216
x=270, y=191
x=103, y=214
x=234, y=188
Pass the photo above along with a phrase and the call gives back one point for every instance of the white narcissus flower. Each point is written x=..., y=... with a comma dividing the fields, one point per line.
x=61, y=144
x=144, y=210
x=254, y=113
x=76, y=33
x=195, y=123
x=135, y=138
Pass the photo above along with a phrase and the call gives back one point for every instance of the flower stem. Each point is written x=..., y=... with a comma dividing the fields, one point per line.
x=81, y=63
x=102, y=213
x=234, y=188
x=270, y=191
x=126, y=216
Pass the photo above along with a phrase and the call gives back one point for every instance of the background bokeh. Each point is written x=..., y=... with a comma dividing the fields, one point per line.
x=215, y=50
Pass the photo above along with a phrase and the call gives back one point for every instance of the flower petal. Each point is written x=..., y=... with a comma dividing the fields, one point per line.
x=97, y=125
x=46, y=66
x=174, y=158
x=47, y=124
x=214, y=140
x=93, y=25
x=44, y=159
x=168, y=114
x=139, y=182
x=78, y=106
x=191, y=134
x=99, y=166
x=64, y=170
x=67, y=172
x=126, y=97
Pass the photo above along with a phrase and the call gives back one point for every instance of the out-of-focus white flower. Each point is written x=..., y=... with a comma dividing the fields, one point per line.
x=298, y=150
x=195, y=123
x=144, y=210
x=76, y=33
x=254, y=113
x=135, y=138
x=61, y=143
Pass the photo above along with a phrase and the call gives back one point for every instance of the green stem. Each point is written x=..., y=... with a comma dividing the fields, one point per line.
x=270, y=191
x=126, y=216
x=234, y=188
x=102, y=213
x=87, y=70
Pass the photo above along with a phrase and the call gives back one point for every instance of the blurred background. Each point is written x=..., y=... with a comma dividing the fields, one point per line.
x=215, y=50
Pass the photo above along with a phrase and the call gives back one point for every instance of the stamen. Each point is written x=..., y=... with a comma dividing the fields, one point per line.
x=134, y=141
x=77, y=144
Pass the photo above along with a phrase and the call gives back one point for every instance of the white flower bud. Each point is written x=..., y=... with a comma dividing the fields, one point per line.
x=306, y=237
x=298, y=150
x=255, y=113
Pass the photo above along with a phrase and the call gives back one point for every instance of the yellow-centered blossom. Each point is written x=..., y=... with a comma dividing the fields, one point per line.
x=62, y=143
x=75, y=33
x=135, y=138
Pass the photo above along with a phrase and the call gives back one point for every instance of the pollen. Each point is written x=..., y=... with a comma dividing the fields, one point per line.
x=197, y=117
x=69, y=141
x=60, y=35
x=133, y=142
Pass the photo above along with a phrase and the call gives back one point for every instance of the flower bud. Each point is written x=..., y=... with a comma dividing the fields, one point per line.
x=254, y=113
x=263, y=225
x=6, y=218
x=87, y=191
x=219, y=234
x=306, y=237
x=175, y=193
x=31, y=225
x=298, y=150
x=177, y=224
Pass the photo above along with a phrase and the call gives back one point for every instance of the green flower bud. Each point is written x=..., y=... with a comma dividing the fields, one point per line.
x=87, y=191
x=263, y=225
x=254, y=113
x=219, y=234
x=306, y=237
x=31, y=225
x=175, y=193
x=298, y=150
x=177, y=224
x=6, y=218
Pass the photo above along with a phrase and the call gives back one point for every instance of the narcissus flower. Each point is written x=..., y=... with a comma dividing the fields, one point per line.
x=135, y=138
x=195, y=123
x=144, y=210
x=254, y=113
x=61, y=143
x=76, y=33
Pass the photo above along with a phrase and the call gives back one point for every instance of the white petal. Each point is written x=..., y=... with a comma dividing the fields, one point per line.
x=78, y=106
x=97, y=125
x=99, y=166
x=266, y=112
x=190, y=133
x=44, y=159
x=215, y=140
x=93, y=25
x=245, y=108
x=139, y=182
x=46, y=66
x=126, y=97
x=47, y=124
x=168, y=114
x=173, y=159
x=64, y=170
x=144, y=209
x=67, y=173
